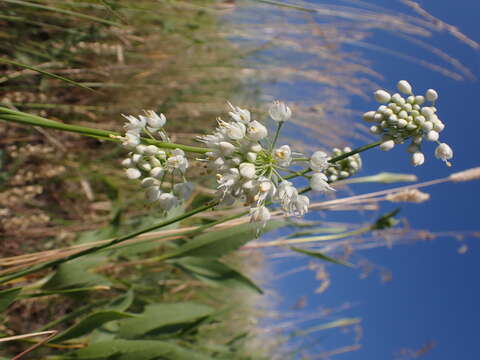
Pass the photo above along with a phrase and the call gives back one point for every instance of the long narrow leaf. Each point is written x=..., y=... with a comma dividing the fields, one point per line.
x=62, y=11
x=319, y=255
x=43, y=72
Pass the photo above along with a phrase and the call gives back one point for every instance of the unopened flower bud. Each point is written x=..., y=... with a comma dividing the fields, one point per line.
x=369, y=116
x=133, y=173
x=151, y=150
x=432, y=135
x=382, y=96
x=431, y=95
x=418, y=158
x=404, y=87
x=152, y=194
x=247, y=170
x=387, y=145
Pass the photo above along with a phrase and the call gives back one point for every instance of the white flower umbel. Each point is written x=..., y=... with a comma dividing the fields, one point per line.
x=161, y=172
x=406, y=117
x=249, y=166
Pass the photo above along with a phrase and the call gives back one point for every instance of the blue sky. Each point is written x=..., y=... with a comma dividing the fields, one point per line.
x=434, y=294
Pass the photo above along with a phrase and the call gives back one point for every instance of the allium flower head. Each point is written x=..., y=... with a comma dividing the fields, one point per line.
x=248, y=165
x=151, y=164
x=400, y=118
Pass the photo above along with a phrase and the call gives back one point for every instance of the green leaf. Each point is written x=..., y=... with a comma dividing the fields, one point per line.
x=138, y=350
x=91, y=322
x=318, y=230
x=330, y=325
x=319, y=255
x=43, y=72
x=123, y=302
x=75, y=274
x=7, y=297
x=386, y=221
x=163, y=318
x=215, y=244
x=215, y=273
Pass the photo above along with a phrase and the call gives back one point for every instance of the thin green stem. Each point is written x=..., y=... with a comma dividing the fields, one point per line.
x=33, y=120
x=275, y=138
x=355, y=151
x=91, y=250
x=310, y=239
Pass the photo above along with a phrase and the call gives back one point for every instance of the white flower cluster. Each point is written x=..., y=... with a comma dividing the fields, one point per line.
x=344, y=168
x=400, y=118
x=155, y=166
x=249, y=166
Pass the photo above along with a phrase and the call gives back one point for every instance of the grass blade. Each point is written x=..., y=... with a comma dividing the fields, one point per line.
x=43, y=72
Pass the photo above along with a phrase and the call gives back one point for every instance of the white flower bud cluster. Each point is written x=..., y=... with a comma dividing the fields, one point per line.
x=154, y=166
x=345, y=168
x=248, y=168
x=406, y=116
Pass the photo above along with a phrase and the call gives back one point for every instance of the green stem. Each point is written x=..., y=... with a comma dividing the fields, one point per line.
x=56, y=262
x=309, y=239
x=355, y=151
x=275, y=138
x=336, y=159
x=33, y=120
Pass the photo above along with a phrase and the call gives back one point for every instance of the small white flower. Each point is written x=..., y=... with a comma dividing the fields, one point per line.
x=260, y=214
x=443, y=152
x=183, y=190
x=432, y=135
x=177, y=161
x=417, y=158
x=318, y=182
x=251, y=157
x=283, y=155
x=286, y=193
x=149, y=181
x=151, y=150
x=382, y=96
x=235, y=131
x=133, y=173
x=299, y=205
x=239, y=115
x=226, y=148
x=153, y=193
x=167, y=201
x=279, y=111
x=404, y=87
x=256, y=147
x=256, y=131
x=127, y=162
x=131, y=140
x=319, y=161
x=369, y=116
x=387, y=145
x=155, y=121
x=431, y=95
x=134, y=124
x=247, y=170
x=157, y=172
